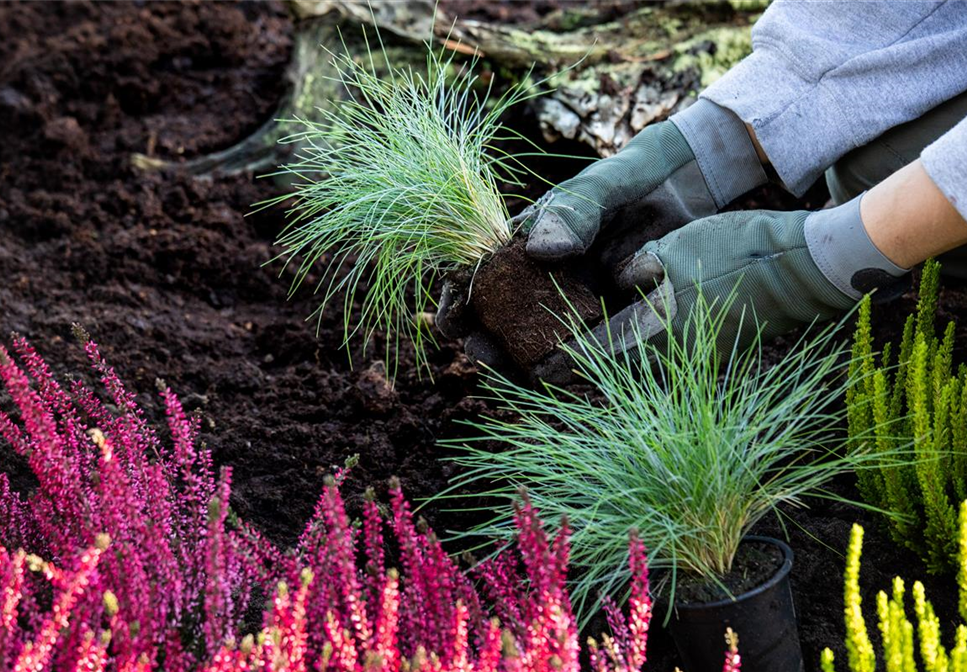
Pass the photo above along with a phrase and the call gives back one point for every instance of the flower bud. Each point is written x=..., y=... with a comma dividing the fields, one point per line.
x=508, y=645
x=97, y=436
x=110, y=601
x=80, y=333
x=35, y=563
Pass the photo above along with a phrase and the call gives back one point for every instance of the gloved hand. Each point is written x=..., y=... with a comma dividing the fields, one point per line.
x=671, y=173
x=454, y=319
x=787, y=269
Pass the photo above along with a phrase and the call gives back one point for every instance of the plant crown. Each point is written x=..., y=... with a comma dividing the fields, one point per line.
x=396, y=185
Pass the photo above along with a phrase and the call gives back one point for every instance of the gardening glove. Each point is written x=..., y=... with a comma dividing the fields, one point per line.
x=787, y=269
x=671, y=173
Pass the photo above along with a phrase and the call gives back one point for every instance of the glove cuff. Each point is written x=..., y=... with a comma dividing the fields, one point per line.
x=723, y=149
x=843, y=251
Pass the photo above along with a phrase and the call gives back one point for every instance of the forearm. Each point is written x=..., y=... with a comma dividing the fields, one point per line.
x=909, y=219
x=906, y=216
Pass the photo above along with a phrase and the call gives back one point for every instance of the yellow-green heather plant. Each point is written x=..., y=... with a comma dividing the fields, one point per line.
x=918, y=401
x=900, y=639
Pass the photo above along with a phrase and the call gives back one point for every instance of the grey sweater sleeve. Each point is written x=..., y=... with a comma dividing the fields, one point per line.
x=946, y=163
x=828, y=76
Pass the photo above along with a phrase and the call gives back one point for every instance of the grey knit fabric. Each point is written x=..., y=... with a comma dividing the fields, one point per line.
x=826, y=77
x=946, y=163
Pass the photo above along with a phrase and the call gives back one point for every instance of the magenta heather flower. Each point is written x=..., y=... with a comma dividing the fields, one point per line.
x=172, y=590
x=38, y=651
x=11, y=593
x=171, y=575
x=92, y=654
x=733, y=661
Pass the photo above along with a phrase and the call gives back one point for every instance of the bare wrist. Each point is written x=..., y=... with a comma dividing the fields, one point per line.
x=909, y=219
x=761, y=153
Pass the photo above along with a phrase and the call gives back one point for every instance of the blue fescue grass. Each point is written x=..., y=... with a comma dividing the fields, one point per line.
x=689, y=444
x=396, y=185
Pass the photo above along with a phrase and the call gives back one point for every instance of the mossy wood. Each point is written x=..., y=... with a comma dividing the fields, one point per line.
x=630, y=70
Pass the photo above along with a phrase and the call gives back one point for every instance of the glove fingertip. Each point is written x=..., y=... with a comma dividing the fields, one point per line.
x=643, y=270
x=552, y=240
x=451, y=318
x=483, y=351
x=556, y=369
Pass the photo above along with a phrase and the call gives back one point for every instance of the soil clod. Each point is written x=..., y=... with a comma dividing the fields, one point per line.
x=523, y=302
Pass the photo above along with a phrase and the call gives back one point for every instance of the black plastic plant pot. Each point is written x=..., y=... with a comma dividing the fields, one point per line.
x=764, y=619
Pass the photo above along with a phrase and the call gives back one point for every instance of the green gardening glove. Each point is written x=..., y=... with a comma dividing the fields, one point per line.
x=671, y=173
x=787, y=269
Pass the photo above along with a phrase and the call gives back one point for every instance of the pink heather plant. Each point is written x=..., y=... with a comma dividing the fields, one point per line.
x=144, y=572
x=102, y=471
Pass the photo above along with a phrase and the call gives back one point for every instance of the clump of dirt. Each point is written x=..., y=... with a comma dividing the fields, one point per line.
x=522, y=302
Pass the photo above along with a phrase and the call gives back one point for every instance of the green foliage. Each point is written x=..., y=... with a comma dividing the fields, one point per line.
x=689, y=444
x=862, y=658
x=920, y=401
x=395, y=185
x=899, y=637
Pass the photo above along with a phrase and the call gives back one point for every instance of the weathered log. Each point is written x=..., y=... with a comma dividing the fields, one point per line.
x=613, y=77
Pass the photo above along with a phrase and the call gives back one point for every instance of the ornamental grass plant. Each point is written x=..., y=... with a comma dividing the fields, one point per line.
x=687, y=442
x=902, y=644
x=396, y=185
x=920, y=400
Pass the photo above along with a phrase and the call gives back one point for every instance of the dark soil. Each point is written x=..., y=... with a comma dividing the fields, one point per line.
x=166, y=273
x=528, y=323
x=754, y=564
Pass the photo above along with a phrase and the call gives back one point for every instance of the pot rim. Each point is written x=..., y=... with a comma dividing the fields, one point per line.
x=781, y=573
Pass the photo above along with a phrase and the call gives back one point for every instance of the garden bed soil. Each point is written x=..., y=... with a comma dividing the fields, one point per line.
x=166, y=272
x=528, y=324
